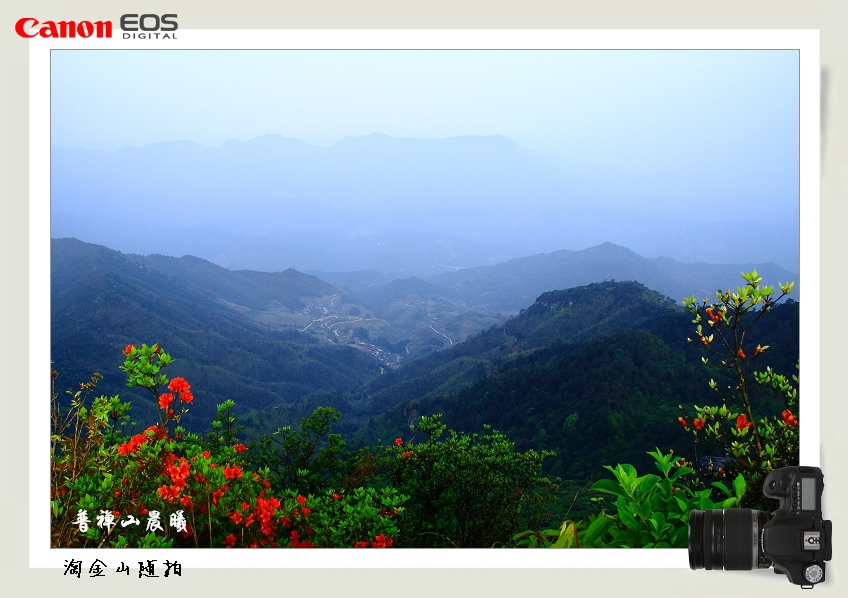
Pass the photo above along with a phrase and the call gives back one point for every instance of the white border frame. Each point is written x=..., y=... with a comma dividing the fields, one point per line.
x=41, y=556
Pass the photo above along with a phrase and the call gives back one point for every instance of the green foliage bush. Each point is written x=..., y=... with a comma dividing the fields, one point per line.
x=468, y=489
x=652, y=511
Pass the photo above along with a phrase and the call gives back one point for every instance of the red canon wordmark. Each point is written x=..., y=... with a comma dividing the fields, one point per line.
x=30, y=27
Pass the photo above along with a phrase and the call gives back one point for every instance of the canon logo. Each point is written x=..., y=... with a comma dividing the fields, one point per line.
x=30, y=27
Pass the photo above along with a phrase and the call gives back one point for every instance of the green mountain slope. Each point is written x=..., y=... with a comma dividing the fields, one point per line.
x=103, y=300
x=595, y=373
x=571, y=316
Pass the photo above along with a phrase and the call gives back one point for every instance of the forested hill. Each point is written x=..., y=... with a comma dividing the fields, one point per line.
x=103, y=300
x=595, y=373
x=571, y=316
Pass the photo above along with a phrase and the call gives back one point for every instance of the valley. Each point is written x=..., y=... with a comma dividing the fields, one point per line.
x=590, y=370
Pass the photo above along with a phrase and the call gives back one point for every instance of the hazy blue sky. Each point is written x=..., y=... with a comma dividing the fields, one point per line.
x=662, y=101
x=723, y=123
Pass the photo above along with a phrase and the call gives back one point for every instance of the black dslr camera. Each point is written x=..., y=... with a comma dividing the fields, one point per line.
x=795, y=538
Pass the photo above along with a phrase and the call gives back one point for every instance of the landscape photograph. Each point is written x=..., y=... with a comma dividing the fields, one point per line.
x=419, y=298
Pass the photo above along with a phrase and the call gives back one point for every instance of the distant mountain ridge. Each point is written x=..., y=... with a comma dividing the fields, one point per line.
x=514, y=284
x=405, y=205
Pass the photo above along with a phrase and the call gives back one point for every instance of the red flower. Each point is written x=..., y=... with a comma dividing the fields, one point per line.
x=178, y=385
x=240, y=448
x=169, y=493
x=406, y=454
x=682, y=421
x=398, y=441
x=132, y=445
x=186, y=396
x=232, y=472
x=698, y=423
x=296, y=543
x=301, y=499
x=165, y=400
x=381, y=541
x=207, y=454
x=187, y=502
x=229, y=541
x=305, y=511
x=216, y=496
x=789, y=418
x=156, y=432
x=236, y=517
x=157, y=349
x=742, y=423
x=336, y=496
x=741, y=354
x=360, y=544
x=179, y=472
x=757, y=350
x=128, y=349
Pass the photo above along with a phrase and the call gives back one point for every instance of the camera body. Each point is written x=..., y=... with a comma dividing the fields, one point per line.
x=794, y=538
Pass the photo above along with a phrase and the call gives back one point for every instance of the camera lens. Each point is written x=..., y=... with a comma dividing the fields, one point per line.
x=726, y=539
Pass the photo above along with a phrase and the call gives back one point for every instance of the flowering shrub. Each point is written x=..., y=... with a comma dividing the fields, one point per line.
x=190, y=491
x=757, y=445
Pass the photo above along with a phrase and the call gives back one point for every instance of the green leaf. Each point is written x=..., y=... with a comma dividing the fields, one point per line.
x=609, y=487
x=645, y=484
x=721, y=487
x=627, y=519
x=596, y=530
x=739, y=486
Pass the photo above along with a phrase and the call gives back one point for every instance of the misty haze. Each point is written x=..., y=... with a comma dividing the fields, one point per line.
x=396, y=205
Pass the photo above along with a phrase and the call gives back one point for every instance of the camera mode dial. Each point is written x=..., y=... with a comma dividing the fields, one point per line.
x=813, y=573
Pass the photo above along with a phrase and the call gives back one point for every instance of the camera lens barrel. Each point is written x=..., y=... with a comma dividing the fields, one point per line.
x=726, y=539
